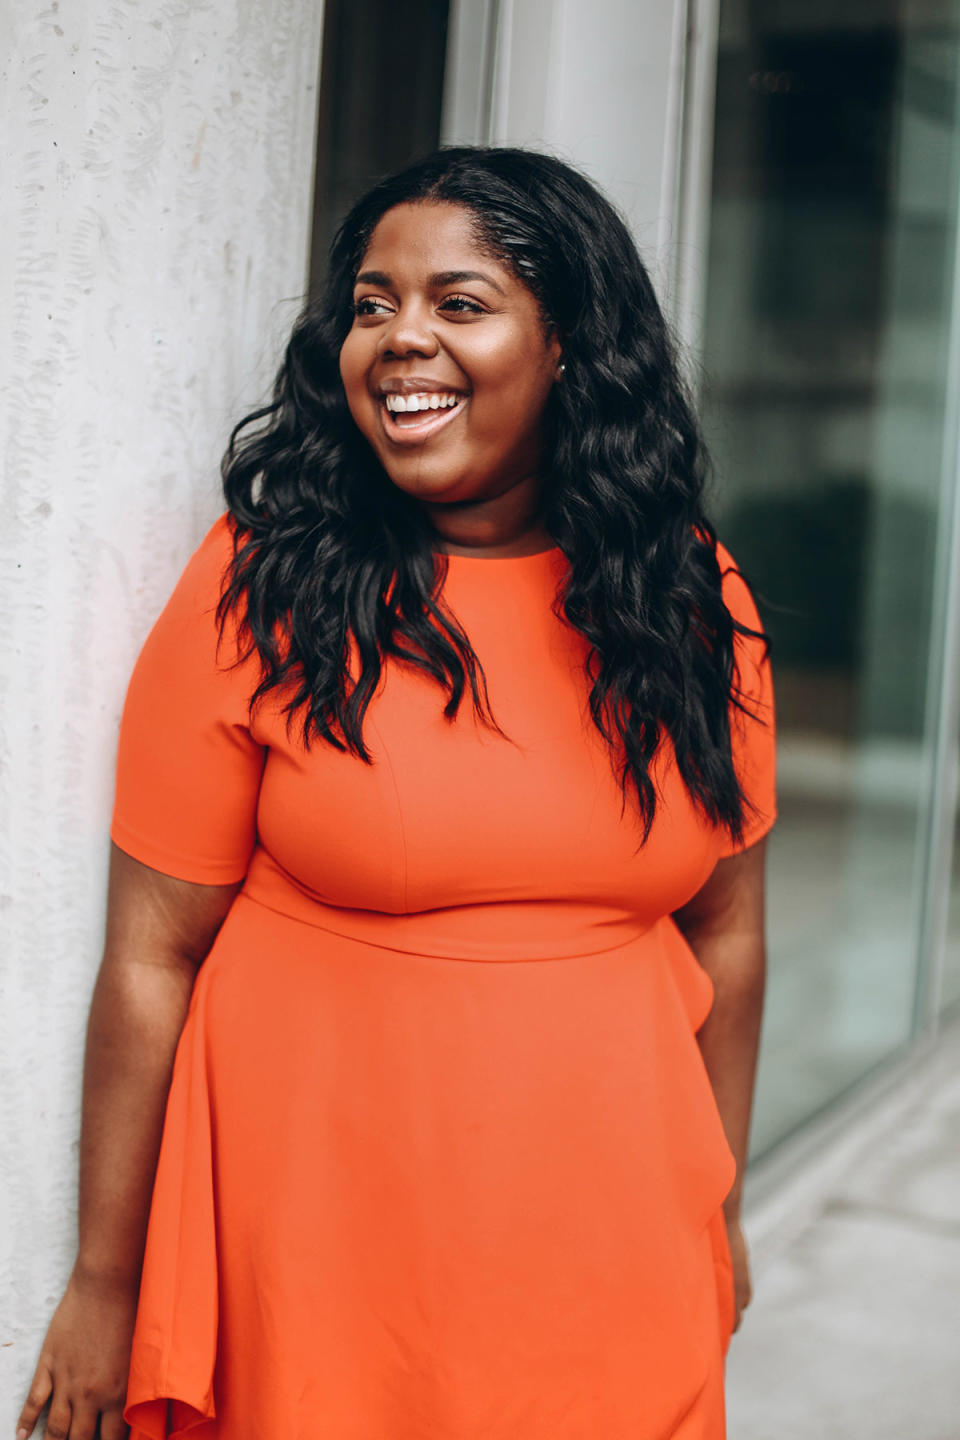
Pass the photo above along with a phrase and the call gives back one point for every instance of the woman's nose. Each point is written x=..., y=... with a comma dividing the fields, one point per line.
x=407, y=333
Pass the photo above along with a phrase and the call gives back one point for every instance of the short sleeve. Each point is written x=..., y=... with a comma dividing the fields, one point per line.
x=753, y=734
x=188, y=768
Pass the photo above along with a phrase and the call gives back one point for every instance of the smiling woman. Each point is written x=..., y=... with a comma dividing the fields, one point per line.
x=410, y=1182
x=439, y=318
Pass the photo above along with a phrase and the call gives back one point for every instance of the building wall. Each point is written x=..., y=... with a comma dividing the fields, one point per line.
x=159, y=165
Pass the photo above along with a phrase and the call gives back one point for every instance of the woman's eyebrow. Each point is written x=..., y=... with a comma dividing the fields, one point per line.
x=459, y=277
x=435, y=282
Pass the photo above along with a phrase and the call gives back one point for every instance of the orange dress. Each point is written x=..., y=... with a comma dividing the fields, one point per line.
x=441, y=1159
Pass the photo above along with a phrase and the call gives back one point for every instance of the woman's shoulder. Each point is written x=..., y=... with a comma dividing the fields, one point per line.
x=737, y=594
x=197, y=592
x=213, y=556
x=191, y=616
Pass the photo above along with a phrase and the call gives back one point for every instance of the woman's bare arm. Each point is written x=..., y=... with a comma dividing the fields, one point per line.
x=724, y=924
x=158, y=932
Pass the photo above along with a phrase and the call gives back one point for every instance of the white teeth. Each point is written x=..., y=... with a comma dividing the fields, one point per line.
x=435, y=400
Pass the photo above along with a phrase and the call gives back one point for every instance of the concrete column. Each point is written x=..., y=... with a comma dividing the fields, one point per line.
x=159, y=165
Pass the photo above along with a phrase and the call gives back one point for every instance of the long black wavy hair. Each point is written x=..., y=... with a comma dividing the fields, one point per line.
x=325, y=546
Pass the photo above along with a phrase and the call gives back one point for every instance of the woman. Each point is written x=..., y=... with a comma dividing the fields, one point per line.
x=454, y=1138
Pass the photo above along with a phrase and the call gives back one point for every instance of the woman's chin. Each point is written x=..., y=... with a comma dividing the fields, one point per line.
x=435, y=483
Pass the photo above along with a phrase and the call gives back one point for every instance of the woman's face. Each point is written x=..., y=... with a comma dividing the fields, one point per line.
x=447, y=369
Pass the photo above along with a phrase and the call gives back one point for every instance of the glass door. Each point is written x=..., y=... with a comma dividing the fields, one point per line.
x=951, y=970
x=827, y=339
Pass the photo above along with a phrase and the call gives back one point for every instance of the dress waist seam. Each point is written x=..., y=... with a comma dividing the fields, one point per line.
x=392, y=939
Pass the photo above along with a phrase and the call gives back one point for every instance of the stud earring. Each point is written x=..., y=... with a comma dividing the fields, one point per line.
x=561, y=368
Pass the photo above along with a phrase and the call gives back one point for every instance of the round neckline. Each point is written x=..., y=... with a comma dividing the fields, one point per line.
x=501, y=559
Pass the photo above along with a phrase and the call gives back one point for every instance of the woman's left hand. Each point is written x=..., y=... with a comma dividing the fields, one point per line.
x=742, y=1283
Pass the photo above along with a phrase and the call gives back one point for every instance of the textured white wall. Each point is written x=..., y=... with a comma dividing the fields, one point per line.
x=157, y=162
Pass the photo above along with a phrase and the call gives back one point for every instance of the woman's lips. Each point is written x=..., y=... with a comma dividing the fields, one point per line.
x=419, y=425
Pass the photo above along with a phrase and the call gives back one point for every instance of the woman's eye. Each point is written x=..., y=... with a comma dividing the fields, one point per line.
x=366, y=305
x=462, y=305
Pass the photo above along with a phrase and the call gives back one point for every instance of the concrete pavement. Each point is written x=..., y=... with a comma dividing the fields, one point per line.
x=854, y=1329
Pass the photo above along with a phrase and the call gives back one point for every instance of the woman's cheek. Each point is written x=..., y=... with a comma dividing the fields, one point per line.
x=350, y=365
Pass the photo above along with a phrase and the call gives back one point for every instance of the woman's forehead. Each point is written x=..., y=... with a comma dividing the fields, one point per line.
x=429, y=235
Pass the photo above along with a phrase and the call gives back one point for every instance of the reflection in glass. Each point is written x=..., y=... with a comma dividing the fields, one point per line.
x=829, y=295
x=951, y=972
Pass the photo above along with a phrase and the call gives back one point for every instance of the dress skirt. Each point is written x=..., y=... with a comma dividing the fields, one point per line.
x=409, y=1197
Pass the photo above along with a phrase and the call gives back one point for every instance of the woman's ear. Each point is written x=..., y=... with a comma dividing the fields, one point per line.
x=555, y=345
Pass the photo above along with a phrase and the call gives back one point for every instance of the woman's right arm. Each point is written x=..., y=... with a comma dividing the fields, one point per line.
x=159, y=931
